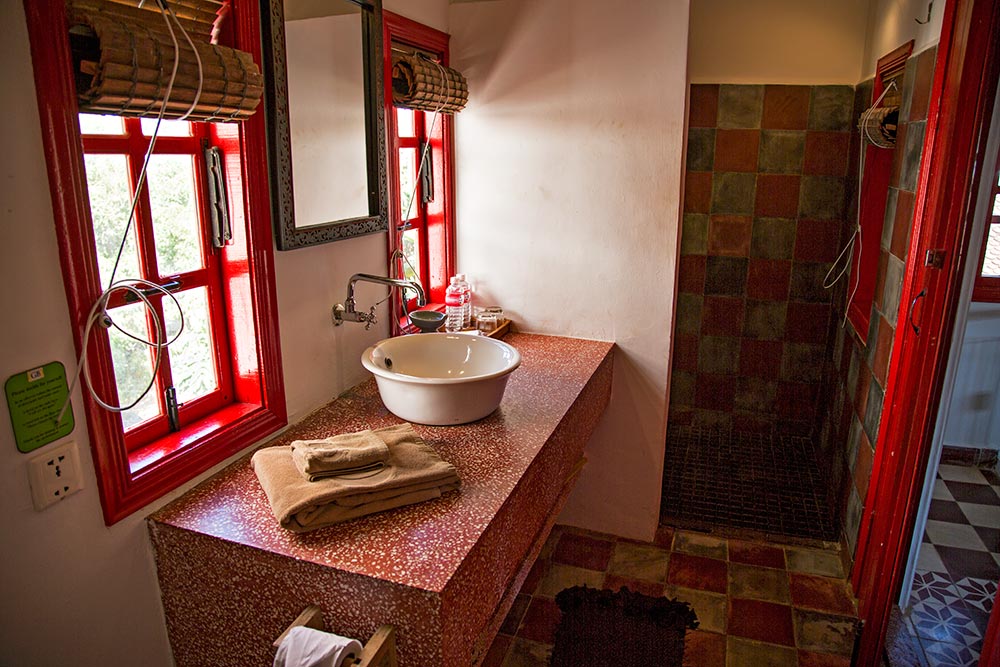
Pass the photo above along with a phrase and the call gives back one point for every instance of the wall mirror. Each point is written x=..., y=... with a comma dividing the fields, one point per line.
x=326, y=122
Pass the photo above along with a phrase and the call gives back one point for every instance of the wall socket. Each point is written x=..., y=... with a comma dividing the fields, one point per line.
x=54, y=475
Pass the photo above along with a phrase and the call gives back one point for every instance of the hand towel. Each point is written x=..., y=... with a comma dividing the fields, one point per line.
x=413, y=473
x=341, y=454
x=306, y=647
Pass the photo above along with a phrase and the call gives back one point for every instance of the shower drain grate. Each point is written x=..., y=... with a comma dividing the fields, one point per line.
x=745, y=481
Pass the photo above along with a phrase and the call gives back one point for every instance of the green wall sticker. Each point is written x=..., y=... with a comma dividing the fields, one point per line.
x=35, y=398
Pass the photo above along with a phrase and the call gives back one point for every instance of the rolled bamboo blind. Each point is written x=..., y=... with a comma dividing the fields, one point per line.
x=127, y=71
x=421, y=83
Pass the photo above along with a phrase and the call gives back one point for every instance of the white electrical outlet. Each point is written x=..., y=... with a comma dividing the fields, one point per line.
x=54, y=475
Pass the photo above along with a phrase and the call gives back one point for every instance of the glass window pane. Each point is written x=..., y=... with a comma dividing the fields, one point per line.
x=96, y=124
x=133, y=362
x=407, y=176
x=411, y=251
x=192, y=362
x=110, y=198
x=168, y=128
x=991, y=261
x=404, y=122
x=173, y=203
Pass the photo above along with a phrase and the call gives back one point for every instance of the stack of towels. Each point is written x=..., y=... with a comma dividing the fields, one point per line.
x=316, y=483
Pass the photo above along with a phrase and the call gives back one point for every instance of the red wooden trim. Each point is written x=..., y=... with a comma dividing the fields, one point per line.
x=891, y=62
x=964, y=86
x=250, y=265
x=440, y=222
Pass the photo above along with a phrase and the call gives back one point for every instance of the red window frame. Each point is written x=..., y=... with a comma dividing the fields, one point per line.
x=133, y=143
x=437, y=219
x=128, y=480
x=987, y=288
x=874, y=187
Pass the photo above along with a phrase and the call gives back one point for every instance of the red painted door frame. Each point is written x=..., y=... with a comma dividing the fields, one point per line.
x=965, y=79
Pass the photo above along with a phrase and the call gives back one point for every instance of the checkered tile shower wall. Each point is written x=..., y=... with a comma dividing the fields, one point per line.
x=764, y=213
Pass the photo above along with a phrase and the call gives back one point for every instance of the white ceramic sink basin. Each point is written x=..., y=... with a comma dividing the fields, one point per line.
x=441, y=378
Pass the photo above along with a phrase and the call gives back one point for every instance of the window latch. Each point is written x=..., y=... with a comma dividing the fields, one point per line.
x=218, y=201
x=173, y=409
x=426, y=172
x=171, y=286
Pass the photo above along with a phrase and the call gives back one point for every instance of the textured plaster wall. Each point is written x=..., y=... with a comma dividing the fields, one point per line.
x=569, y=170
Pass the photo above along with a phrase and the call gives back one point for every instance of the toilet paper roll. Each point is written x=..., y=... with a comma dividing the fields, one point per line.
x=305, y=647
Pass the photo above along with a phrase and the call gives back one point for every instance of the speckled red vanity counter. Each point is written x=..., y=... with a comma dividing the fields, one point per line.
x=443, y=572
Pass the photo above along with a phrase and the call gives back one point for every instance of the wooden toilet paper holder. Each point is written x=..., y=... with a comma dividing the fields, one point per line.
x=380, y=651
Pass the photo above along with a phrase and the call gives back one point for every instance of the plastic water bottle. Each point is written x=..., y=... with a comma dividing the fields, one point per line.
x=466, y=301
x=454, y=307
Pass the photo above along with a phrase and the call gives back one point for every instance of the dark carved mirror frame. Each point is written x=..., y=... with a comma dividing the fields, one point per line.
x=287, y=235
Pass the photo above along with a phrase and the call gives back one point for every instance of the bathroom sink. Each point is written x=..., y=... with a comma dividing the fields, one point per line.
x=441, y=378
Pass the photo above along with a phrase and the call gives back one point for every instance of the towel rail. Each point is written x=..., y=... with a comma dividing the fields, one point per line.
x=380, y=651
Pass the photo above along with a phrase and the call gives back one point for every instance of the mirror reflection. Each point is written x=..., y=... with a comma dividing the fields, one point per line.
x=326, y=110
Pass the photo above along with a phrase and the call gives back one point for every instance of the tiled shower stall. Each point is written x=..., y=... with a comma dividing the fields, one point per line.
x=771, y=394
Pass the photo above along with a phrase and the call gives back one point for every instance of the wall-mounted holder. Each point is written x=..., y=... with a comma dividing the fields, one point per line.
x=380, y=651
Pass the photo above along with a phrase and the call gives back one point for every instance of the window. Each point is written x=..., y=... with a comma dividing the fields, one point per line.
x=874, y=191
x=225, y=369
x=987, y=286
x=425, y=238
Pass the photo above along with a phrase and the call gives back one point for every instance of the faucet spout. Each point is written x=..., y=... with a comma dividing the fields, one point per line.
x=346, y=312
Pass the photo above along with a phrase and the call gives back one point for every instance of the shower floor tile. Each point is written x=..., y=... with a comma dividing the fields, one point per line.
x=745, y=481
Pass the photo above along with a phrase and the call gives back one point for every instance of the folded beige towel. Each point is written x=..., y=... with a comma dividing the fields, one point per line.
x=413, y=473
x=341, y=454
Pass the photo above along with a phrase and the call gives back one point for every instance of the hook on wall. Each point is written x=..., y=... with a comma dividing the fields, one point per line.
x=930, y=5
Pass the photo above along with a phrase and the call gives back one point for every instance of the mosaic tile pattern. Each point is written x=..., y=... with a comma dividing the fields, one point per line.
x=444, y=572
x=764, y=207
x=958, y=566
x=763, y=483
x=757, y=603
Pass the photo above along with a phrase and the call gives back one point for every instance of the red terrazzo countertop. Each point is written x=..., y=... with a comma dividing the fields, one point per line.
x=424, y=545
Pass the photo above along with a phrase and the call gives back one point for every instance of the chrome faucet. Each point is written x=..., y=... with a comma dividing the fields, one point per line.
x=345, y=312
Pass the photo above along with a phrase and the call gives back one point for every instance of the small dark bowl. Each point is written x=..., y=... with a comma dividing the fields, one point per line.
x=427, y=320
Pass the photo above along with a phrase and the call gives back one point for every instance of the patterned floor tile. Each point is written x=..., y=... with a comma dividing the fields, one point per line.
x=934, y=586
x=712, y=609
x=990, y=537
x=949, y=534
x=698, y=544
x=639, y=561
x=821, y=593
x=951, y=655
x=814, y=561
x=565, y=576
x=946, y=510
x=526, y=653
x=943, y=623
x=753, y=553
x=540, y=620
x=977, y=593
x=941, y=491
x=583, y=551
x=981, y=515
x=824, y=633
x=762, y=621
x=707, y=574
x=968, y=563
x=928, y=559
x=758, y=583
x=959, y=473
x=741, y=652
x=704, y=649
x=613, y=582
x=812, y=659
x=965, y=492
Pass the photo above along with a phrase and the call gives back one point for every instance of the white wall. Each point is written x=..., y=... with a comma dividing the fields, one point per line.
x=777, y=41
x=568, y=175
x=974, y=412
x=74, y=591
x=892, y=23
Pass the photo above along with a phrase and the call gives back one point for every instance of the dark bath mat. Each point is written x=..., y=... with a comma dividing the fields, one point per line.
x=626, y=629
